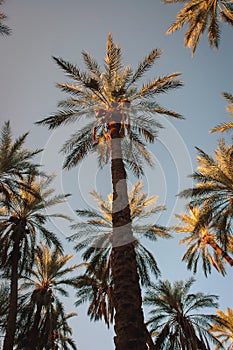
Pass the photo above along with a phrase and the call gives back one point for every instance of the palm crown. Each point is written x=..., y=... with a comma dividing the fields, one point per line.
x=15, y=161
x=95, y=234
x=175, y=319
x=29, y=211
x=101, y=96
x=43, y=315
x=213, y=187
x=202, y=243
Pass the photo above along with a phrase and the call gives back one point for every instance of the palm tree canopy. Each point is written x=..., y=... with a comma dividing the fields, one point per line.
x=50, y=271
x=29, y=210
x=199, y=15
x=224, y=331
x=95, y=233
x=226, y=126
x=176, y=321
x=46, y=280
x=201, y=241
x=15, y=161
x=214, y=179
x=102, y=96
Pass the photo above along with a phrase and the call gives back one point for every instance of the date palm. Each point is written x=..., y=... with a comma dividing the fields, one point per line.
x=44, y=312
x=200, y=15
x=214, y=179
x=119, y=120
x=224, y=332
x=176, y=321
x=200, y=237
x=22, y=219
x=226, y=126
x=94, y=234
x=15, y=161
x=4, y=29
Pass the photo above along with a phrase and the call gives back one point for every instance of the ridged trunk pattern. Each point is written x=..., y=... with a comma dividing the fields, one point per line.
x=13, y=300
x=129, y=321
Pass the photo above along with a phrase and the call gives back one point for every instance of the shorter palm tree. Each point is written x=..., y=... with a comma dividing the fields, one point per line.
x=224, y=332
x=202, y=242
x=44, y=311
x=175, y=320
x=23, y=217
x=95, y=234
x=226, y=126
x=199, y=15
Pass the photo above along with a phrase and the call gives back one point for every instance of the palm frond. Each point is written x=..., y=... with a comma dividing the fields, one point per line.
x=145, y=65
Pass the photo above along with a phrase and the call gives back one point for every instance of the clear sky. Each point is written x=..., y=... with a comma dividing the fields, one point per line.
x=46, y=28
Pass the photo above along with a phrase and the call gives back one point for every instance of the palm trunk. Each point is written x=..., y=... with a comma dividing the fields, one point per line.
x=129, y=321
x=34, y=333
x=13, y=302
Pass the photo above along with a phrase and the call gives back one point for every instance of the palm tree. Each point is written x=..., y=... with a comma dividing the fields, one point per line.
x=175, y=319
x=214, y=179
x=22, y=218
x=120, y=117
x=224, y=332
x=44, y=312
x=226, y=126
x=200, y=237
x=15, y=161
x=94, y=232
x=199, y=15
x=4, y=30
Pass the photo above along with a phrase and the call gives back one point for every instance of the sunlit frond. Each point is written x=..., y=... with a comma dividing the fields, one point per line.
x=226, y=126
x=201, y=15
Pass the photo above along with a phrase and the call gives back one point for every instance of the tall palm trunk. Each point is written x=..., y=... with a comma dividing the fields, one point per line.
x=13, y=301
x=129, y=321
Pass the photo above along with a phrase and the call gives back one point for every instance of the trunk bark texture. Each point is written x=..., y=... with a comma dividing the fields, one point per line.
x=129, y=321
x=34, y=333
x=13, y=302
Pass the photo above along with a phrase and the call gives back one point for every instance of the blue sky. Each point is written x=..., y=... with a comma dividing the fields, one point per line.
x=42, y=29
